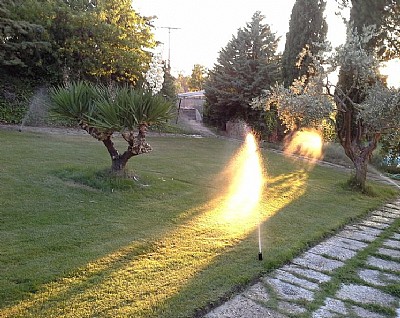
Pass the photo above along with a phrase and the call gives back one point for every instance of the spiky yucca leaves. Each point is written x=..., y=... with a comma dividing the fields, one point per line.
x=73, y=101
x=101, y=111
x=76, y=101
x=128, y=109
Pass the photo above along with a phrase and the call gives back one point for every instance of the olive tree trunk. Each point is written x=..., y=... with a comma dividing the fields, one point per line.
x=357, y=144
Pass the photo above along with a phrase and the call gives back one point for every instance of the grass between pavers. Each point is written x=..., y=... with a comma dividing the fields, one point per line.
x=163, y=247
x=348, y=274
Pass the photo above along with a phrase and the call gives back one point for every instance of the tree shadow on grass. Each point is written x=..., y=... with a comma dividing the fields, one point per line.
x=209, y=255
x=139, y=280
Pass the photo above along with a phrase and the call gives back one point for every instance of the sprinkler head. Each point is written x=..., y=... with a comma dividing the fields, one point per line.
x=260, y=257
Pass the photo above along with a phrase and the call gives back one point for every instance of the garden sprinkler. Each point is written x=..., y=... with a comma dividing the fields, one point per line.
x=260, y=256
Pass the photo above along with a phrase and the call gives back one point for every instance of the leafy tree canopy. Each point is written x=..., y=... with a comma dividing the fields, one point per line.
x=198, y=78
x=99, y=40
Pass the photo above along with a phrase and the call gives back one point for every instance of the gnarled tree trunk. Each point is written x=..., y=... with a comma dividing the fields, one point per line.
x=357, y=144
x=136, y=145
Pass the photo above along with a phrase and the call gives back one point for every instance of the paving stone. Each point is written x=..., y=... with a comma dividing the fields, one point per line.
x=392, y=207
x=335, y=305
x=389, y=252
x=362, y=313
x=386, y=214
x=383, y=264
x=324, y=313
x=357, y=235
x=257, y=292
x=291, y=308
x=241, y=307
x=306, y=272
x=377, y=225
x=378, y=278
x=366, y=295
x=297, y=281
x=381, y=219
x=346, y=243
x=290, y=292
x=396, y=236
x=317, y=262
x=290, y=278
x=365, y=229
x=334, y=251
x=392, y=243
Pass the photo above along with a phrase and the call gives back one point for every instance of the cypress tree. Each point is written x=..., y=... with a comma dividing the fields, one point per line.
x=307, y=26
x=169, y=90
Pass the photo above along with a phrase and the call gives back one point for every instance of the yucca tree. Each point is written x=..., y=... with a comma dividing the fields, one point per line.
x=103, y=111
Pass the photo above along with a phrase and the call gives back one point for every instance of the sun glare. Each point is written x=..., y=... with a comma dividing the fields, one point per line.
x=307, y=143
x=392, y=70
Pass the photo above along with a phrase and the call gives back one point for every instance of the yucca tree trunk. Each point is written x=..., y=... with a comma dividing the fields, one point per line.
x=136, y=145
x=118, y=165
x=118, y=162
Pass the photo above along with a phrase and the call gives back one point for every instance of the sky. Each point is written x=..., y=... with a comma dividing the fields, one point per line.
x=206, y=26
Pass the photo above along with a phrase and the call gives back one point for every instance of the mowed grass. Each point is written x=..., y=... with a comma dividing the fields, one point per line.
x=161, y=246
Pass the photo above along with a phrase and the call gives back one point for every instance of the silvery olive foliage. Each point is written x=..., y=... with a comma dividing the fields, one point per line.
x=155, y=74
x=381, y=109
x=312, y=98
x=305, y=103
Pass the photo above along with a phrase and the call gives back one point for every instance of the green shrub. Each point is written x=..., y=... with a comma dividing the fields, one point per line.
x=15, y=95
x=334, y=152
x=11, y=114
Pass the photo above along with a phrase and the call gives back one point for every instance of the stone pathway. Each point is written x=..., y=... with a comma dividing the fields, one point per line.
x=300, y=285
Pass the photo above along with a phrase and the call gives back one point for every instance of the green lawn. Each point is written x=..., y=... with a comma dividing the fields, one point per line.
x=164, y=246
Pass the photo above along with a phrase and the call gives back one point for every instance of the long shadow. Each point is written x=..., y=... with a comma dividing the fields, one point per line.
x=194, y=263
x=147, y=279
x=139, y=279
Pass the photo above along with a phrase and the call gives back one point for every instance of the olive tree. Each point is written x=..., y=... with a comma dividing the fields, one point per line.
x=363, y=109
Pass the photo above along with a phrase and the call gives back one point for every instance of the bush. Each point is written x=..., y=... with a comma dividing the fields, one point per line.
x=334, y=152
x=15, y=95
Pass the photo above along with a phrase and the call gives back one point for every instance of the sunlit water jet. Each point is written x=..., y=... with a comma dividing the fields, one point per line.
x=246, y=177
x=307, y=143
x=246, y=181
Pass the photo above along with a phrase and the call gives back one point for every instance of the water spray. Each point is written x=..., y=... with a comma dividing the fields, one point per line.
x=387, y=179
